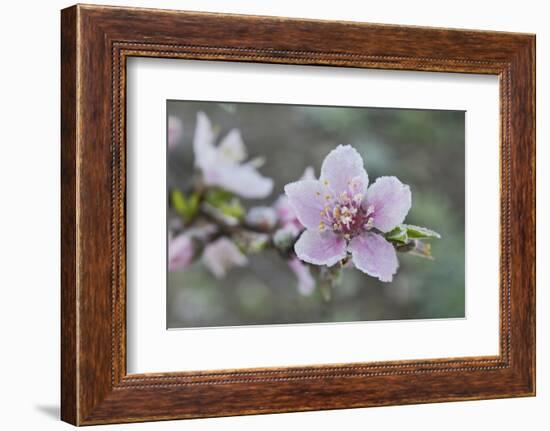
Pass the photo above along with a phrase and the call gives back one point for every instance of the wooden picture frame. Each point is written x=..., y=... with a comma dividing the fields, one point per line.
x=95, y=43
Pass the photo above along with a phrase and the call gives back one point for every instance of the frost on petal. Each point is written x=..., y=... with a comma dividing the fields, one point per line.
x=243, y=180
x=175, y=131
x=320, y=248
x=306, y=198
x=340, y=166
x=203, y=142
x=231, y=149
x=372, y=254
x=221, y=255
x=390, y=200
x=221, y=166
x=306, y=282
x=180, y=252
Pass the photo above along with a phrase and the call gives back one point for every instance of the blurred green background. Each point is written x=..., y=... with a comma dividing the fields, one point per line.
x=423, y=148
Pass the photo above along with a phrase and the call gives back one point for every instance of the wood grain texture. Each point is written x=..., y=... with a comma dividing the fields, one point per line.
x=96, y=41
x=69, y=331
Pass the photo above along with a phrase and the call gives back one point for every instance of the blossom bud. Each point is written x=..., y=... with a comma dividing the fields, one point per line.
x=264, y=218
x=285, y=237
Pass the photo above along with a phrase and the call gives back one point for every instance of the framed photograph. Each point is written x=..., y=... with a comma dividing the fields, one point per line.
x=264, y=215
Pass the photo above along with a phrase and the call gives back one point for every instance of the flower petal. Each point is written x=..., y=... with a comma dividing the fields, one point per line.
x=203, y=142
x=285, y=211
x=320, y=248
x=340, y=166
x=180, y=252
x=306, y=282
x=243, y=180
x=391, y=202
x=231, y=148
x=307, y=201
x=221, y=255
x=372, y=254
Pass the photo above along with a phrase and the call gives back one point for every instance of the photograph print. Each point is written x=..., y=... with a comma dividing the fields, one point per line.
x=290, y=214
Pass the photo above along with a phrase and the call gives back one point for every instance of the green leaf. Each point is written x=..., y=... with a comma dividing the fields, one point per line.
x=217, y=197
x=232, y=209
x=418, y=232
x=225, y=202
x=178, y=201
x=193, y=202
x=186, y=207
x=399, y=234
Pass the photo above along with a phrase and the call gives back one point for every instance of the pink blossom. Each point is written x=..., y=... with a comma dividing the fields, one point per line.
x=224, y=165
x=221, y=255
x=285, y=211
x=342, y=215
x=175, y=131
x=291, y=228
x=180, y=252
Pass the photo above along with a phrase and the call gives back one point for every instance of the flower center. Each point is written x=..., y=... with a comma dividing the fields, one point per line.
x=345, y=214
